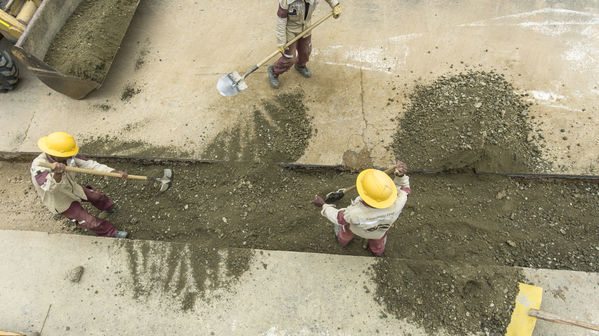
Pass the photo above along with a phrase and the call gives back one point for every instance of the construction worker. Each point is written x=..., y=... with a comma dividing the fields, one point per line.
x=372, y=213
x=62, y=194
x=293, y=17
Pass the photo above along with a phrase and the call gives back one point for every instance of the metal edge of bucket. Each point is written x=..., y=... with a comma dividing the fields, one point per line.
x=70, y=86
x=73, y=87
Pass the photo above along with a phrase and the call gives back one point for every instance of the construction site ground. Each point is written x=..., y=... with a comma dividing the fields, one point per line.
x=235, y=248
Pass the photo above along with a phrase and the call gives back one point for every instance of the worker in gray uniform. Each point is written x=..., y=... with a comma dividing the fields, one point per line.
x=293, y=17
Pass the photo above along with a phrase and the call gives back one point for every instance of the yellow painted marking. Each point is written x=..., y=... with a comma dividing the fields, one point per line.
x=522, y=324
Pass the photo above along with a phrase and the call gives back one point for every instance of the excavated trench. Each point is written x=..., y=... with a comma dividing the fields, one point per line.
x=453, y=227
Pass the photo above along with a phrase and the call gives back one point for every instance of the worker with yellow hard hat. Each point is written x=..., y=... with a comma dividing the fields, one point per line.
x=372, y=213
x=62, y=194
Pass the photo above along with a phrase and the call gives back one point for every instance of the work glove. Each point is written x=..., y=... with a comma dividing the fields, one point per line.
x=400, y=168
x=337, y=11
x=318, y=201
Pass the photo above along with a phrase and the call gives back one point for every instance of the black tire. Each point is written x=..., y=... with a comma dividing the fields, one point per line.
x=9, y=73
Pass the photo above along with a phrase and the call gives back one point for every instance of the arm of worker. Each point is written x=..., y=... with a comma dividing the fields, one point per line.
x=329, y=210
x=85, y=163
x=281, y=26
x=336, y=8
x=402, y=181
x=49, y=180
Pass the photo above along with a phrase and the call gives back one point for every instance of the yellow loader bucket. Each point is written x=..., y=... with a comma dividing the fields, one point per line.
x=36, y=43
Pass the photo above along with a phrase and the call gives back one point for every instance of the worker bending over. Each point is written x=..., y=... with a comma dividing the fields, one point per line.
x=293, y=17
x=62, y=194
x=372, y=213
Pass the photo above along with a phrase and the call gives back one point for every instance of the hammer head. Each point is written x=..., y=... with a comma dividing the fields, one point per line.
x=166, y=180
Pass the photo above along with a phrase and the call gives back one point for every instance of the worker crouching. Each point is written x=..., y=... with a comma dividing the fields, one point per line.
x=62, y=194
x=372, y=214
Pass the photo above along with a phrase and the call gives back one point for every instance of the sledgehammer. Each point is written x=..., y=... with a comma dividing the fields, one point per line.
x=165, y=180
x=334, y=196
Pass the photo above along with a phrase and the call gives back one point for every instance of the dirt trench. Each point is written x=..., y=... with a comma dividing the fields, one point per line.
x=454, y=227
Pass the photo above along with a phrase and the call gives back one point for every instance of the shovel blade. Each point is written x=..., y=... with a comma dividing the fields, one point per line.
x=334, y=196
x=166, y=180
x=231, y=84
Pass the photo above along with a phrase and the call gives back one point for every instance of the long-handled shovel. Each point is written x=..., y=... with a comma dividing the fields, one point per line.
x=334, y=196
x=526, y=312
x=165, y=180
x=233, y=83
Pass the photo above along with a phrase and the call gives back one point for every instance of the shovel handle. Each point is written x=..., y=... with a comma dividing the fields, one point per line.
x=299, y=36
x=94, y=172
x=558, y=319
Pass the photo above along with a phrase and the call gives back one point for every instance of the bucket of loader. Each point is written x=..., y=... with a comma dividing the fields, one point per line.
x=71, y=44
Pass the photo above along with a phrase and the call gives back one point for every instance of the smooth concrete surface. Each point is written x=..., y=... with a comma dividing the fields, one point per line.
x=282, y=293
x=548, y=49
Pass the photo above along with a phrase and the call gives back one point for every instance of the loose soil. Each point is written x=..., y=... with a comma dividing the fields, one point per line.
x=444, y=297
x=468, y=120
x=185, y=271
x=90, y=38
x=128, y=92
x=450, y=221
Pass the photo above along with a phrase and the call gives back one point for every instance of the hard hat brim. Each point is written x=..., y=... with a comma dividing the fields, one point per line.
x=42, y=143
x=371, y=201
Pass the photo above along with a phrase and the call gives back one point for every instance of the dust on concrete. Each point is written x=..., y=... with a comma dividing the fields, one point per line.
x=459, y=300
x=143, y=53
x=280, y=131
x=129, y=91
x=103, y=107
x=114, y=146
x=357, y=160
x=184, y=271
x=468, y=120
x=90, y=38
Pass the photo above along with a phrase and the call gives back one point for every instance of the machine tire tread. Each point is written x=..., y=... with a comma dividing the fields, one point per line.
x=9, y=73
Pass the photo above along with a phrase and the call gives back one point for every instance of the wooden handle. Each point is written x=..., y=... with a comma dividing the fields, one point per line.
x=93, y=172
x=558, y=319
x=299, y=36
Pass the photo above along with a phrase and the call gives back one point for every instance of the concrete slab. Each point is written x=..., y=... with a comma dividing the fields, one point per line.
x=282, y=293
x=546, y=48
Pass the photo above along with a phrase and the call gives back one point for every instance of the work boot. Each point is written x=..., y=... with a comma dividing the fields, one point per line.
x=121, y=234
x=303, y=70
x=105, y=213
x=274, y=81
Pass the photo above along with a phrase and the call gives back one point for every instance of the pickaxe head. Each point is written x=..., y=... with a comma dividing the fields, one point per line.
x=165, y=180
x=334, y=196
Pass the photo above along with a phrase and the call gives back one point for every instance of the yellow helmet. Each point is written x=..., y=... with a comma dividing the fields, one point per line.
x=376, y=188
x=59, y=144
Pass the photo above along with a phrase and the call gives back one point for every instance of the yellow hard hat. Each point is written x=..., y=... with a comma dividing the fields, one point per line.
x=59, y=144
x=376, y=188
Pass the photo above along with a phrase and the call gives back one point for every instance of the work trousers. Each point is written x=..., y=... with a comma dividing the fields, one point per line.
x=345, y=235
x=99, y=226
x=298, y=53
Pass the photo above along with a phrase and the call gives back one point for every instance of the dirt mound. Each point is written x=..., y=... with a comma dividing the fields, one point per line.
x=89, y=39
x=279, y=132
x=469, y=120
x=460, y=300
